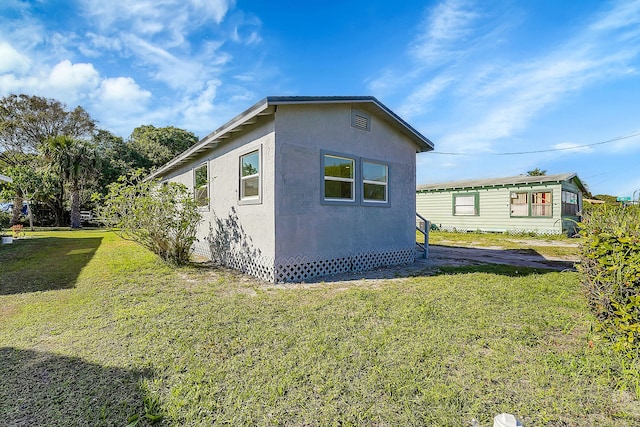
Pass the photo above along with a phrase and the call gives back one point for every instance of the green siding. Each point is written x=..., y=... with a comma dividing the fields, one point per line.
x=494, y=209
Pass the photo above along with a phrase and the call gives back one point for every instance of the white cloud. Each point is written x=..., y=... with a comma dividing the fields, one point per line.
x=420, y=100
x=572, y=147
x=188, y=73
x=448, y=24
x=73, y=77
x=149, y=17
x=123, y=90
x=11, y=60
x=495, y=99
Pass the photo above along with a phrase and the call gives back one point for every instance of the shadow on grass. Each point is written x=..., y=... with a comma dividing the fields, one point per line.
x=445, y=260
x=44, y=264
x=47, y=389
x=463, y=256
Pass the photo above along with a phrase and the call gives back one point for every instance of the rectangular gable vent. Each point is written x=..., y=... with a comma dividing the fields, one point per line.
x=360, y=120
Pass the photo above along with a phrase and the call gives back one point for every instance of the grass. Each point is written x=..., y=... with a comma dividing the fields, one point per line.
x=555, y=246
x=118, y=338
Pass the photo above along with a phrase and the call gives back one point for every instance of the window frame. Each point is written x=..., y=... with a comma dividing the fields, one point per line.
x=530, y=205
x=354, y=188
x=362, y=182
x=548, y=204
x=204, y=206
x=564, y=204
x=250, y=200
x=476, y=204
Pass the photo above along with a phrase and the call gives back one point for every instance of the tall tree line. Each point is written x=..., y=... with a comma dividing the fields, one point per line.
x=58, y=157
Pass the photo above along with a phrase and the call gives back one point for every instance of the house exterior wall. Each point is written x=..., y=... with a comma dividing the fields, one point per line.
x=494, y=209
x=238, y=235
x=291, y=233
x=314, y=238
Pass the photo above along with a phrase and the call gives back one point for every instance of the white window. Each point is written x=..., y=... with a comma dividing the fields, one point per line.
x=541, y=203
x=375, y=178
x=519, y=204
x=465, y=204
x=534, y=204
x=250, y=176
x=201, y=185
x=339, y=178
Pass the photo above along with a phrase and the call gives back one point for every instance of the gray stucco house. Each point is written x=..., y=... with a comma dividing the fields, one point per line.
x=539, y=204
x=297, y=187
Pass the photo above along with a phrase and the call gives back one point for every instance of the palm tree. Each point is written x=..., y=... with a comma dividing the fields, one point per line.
x=75, y=161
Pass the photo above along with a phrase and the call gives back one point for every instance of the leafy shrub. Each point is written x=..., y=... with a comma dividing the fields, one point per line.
x=164, y=218
x=610, y=270
x=5, y=220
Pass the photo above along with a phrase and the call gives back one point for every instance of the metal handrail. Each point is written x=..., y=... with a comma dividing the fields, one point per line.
x=425, y=232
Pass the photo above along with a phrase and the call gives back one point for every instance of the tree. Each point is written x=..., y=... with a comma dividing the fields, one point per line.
x=537, y=172
x=75, y=161
x=31, y=180
x=117, y=158
x=156, y=146
x=163, y=218
x=27, y=122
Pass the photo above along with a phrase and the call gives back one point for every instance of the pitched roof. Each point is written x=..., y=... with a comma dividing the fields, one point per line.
x=268, y=105
x=503, y=182
x=4, y=178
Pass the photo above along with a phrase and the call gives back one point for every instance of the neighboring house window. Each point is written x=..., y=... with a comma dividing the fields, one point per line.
x=201, y=185
x=465, y=204
x=375, y=178
x=541, y=203
x=339, y=178
x=519, y=204
x=569, y=203
x=250, y=176
x=534, y=204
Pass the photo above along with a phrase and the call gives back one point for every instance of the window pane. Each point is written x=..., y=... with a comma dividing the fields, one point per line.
x=540, y=210
x=519, y=204
x=250, y=187
x=201, y=196
x=541, y=198
x=541, y=204
x=201, y=187
x=201, y=176
x=338, y=167
x=375, y=192
x=338, y=189
x=374, y=172
x=465, y=205
x=251, y=164
x=465, y=210
x=465, y=200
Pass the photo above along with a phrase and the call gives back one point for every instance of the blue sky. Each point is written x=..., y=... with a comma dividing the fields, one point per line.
x=481, y=79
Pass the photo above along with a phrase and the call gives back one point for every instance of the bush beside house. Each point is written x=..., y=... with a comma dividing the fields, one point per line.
x=610, y=269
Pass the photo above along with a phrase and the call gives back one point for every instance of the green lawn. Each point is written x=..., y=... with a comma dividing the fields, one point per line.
x=95, y=331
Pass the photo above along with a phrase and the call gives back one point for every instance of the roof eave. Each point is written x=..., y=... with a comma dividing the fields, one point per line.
x=267, y=106
x=236, y=124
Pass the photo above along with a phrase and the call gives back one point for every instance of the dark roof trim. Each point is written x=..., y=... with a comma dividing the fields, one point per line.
x=267, y=106
x=503, y=182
